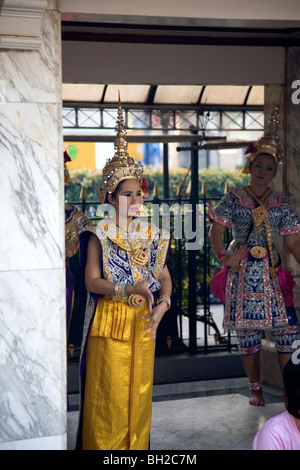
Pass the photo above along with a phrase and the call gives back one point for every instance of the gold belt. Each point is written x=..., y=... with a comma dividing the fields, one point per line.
x=258, y=252
x=134, y=300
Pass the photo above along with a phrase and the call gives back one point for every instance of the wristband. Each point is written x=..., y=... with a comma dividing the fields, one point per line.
x=120, y=291
x=125, y=291
x=221, y=254
x=164, y=298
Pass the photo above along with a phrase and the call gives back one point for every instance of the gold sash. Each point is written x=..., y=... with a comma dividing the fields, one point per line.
x=260, y=219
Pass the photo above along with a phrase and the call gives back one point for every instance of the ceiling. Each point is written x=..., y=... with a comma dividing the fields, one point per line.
x=180, y=30
x=97, y=33
x=183, y=95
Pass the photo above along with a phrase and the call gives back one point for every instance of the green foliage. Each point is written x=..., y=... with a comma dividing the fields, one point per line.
x=91, y=179
x=214, y=180
x=178, y=261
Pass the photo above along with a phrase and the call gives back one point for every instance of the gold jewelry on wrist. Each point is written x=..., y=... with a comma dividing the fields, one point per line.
x=164, y=298
x=120, y=292
x=223, y=258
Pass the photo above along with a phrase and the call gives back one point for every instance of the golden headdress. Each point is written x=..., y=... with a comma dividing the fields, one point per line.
x=268, y=144
x=121, y=166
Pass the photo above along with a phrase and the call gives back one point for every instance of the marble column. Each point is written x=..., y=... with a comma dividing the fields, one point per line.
x=32, y=275
x=287, y=181
x=292, y=174
x=288, y=176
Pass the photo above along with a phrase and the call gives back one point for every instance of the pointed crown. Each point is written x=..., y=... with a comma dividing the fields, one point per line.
x=267, y=144
x=121, y=166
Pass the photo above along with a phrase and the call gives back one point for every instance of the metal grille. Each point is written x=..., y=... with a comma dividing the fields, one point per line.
x=163, y=119
x=176, y=332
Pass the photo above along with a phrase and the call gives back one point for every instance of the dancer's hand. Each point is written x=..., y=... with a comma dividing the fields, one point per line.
x=155, y=318
x=142, y=289
x=234, y=260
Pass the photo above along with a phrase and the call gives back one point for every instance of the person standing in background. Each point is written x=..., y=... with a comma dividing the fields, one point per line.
x=256, y=290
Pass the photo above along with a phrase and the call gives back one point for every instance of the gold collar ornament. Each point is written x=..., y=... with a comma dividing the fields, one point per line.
x=260, y=215
x=140, y=236
x=267, y=144
x=260, y=218
x=139, y=256
x=121, y=166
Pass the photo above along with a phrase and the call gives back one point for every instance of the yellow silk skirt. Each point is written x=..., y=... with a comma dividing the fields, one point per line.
x=119, y=377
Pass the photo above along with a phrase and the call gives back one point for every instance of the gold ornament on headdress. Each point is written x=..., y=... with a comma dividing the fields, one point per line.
x=267, y=144
x=121, y=166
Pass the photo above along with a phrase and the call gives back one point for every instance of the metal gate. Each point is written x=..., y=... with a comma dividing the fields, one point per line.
x=191, y=324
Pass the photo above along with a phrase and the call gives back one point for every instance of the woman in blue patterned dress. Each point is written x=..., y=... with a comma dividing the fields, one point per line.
x=258, y=292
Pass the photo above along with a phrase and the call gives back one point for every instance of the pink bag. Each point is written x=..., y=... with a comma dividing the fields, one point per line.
x=218, y=283
x=287, y=283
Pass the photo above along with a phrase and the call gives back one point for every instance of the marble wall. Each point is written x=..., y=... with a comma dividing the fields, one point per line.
x=287, y=180
x=32, y=276
x=288, y=176
x=292, y=125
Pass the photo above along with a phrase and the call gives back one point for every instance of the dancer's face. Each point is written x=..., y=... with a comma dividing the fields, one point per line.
x=263, y=170
x=128, y=198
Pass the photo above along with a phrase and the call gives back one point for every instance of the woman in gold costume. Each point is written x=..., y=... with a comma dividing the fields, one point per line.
x=129, y=289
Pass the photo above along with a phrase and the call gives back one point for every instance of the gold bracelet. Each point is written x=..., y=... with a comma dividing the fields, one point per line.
x=223, y=258
x=164, y=298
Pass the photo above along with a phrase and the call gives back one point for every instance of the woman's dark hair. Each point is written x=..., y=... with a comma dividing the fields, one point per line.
x=291, y=380
x=114, y=194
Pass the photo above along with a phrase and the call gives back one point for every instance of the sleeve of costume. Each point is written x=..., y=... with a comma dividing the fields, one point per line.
x=290, y=222
x=162, y=252
x=84, y=240
x=223, y=213
x=75, y=223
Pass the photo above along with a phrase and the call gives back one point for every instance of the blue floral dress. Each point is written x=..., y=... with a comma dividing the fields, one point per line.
x=254, y=298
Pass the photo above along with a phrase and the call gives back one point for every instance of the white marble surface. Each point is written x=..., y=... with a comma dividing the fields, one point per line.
x=31, y=181
x=32, y=372
x=43, y=443
x=32, y=272
x=34, y=76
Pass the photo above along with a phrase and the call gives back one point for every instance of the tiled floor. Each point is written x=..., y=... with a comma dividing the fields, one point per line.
x=205, y=415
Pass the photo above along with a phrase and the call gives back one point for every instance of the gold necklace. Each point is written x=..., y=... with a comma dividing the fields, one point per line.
x=258, y=199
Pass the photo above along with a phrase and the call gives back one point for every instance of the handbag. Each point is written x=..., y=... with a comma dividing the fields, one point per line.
x=218, y=284
x=287, y=284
